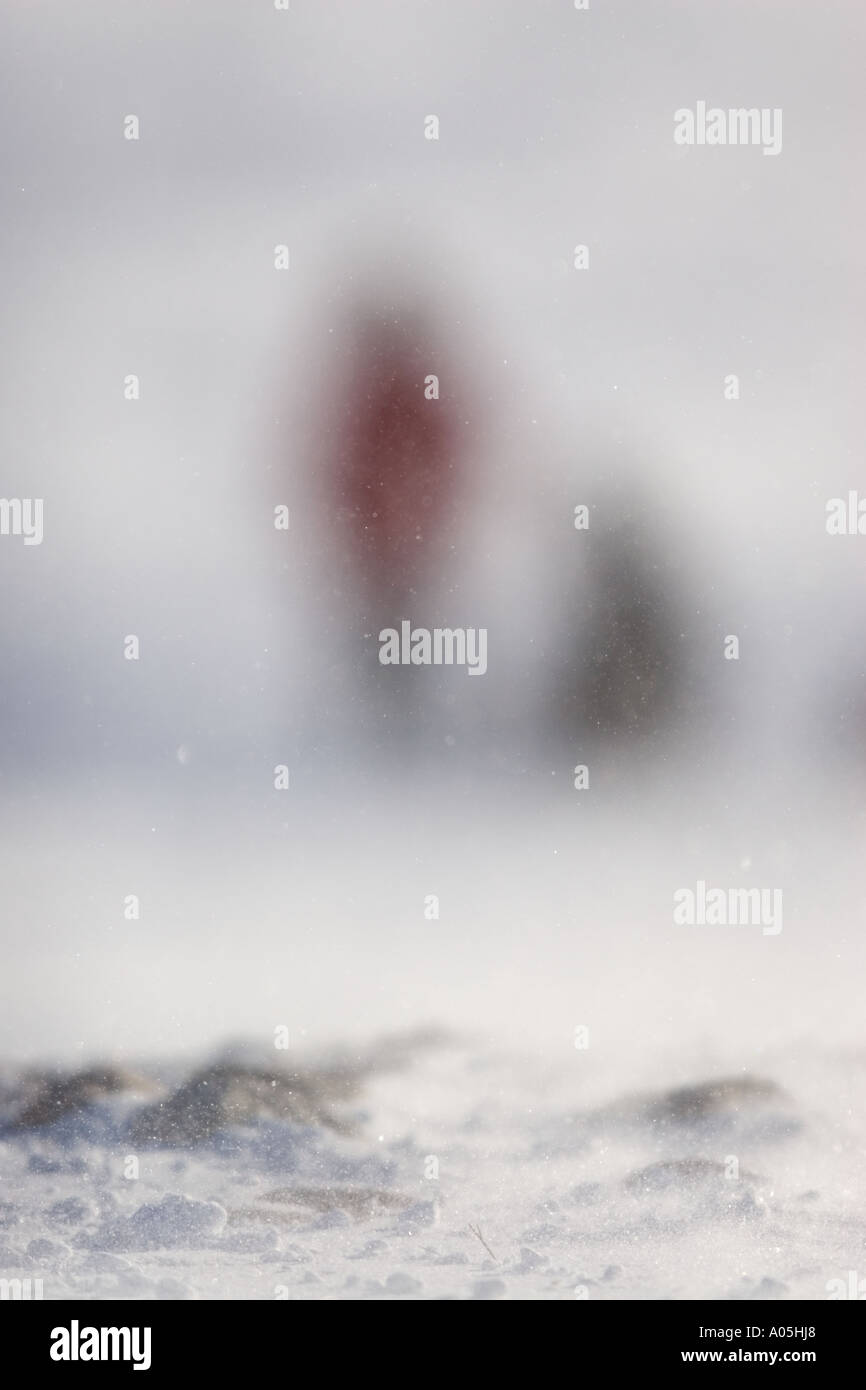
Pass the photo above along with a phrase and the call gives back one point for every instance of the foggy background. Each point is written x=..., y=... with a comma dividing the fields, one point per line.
x=605, y=387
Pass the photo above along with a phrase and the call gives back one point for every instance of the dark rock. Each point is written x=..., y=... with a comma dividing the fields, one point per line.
x=45, y=1097
x=220, y=1096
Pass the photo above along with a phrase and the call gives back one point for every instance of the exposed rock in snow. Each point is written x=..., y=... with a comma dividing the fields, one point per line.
x=44, y=1097
x=224, y=1095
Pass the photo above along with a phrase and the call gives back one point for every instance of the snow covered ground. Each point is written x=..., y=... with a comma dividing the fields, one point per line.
x=623, y=1107
x=468, y=1173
